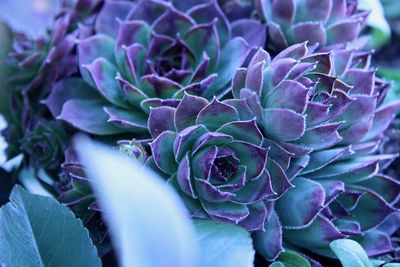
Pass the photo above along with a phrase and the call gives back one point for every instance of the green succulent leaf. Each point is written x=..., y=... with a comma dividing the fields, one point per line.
x=350, y=253
x=290, y=259
x=393, y=75
x=224, y=245
x=38, y=231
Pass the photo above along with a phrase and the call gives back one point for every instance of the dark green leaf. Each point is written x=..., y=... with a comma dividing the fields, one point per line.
x=38, y=231
x=290, y=259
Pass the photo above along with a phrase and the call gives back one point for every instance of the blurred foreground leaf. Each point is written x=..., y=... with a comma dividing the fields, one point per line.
x=391, y=8
x=377, y=21
x=148, y=222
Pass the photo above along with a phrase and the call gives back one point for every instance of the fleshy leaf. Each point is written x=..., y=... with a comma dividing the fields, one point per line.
x=300, y=205
x=253, y=157
x=216, y=114
x=243, y=130
x=371, y=210
x=269, y=242
x=161, y=119
x=128, y=120
x=284, y=124
x=290, y=259
x=163, y=154
x=187, y=111
x=226, y=211
x=316, y=236
x=67, y=89
x=237, y=244
x=232, y=57
x=375, y=242
x=88, y=116
x=102, y=76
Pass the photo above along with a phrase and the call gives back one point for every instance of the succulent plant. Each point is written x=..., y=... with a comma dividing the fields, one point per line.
x=35, y=65
x=40, y=62
x=45, y=144
x=323, y=23
x=322, y=117
x=147, y=54
x=213, y=154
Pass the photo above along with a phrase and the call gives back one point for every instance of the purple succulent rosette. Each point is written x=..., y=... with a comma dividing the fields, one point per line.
x=35, y=66
x=41, y=62
x=323, y=23
x=147, y=54
x=322, y=117
x=213, y=154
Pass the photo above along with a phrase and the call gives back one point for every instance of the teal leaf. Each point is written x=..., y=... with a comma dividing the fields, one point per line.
x=392, y=74
x=290, y=259
x=38, y=231
x=148, y=223
x=233, y=54
x=223, y=244
x=350, y=253
x=88, y=116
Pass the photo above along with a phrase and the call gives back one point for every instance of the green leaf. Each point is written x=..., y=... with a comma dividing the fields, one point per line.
x=350, y=253
x=38, y=231
x=377, y=263
x=223, y=244
x=148, y=222
x=290, y=259
x=392, y=265
x=393, y=75
x=376, y=20
x=277, y=264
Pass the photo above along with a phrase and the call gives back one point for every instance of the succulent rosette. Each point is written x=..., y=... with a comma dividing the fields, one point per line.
x=323, y=23
x=147, y=54
x=322, y=117
x=40, y=62
x=35, y=65
x=213, y=154
x=45, y=144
